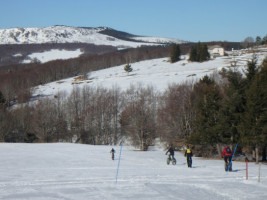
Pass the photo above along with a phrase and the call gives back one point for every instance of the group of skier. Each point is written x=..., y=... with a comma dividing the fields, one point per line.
x=188, y=154
x=226, y=155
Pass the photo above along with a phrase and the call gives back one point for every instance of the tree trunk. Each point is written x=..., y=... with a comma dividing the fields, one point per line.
x=257, y=154
x=253, y=155
x=232, y=147
x=219, y=149
x=264, y=153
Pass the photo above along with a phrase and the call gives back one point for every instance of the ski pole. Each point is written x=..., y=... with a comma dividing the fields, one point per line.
x=231, y=158
x=259, y=174
x=246, y=168
x=118, y=165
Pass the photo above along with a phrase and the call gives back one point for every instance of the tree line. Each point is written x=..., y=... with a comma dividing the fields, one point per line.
x=11, y=54
x=198, y=53
x=234, y=111
x=226, y=108
x=250, y=41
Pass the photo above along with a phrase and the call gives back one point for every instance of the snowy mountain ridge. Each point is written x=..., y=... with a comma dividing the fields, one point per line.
x=67, y=34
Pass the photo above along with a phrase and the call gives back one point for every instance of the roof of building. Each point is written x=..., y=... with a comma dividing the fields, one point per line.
x=214, y=46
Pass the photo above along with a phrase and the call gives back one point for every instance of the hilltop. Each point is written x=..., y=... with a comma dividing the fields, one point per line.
x=20, y=45
x=66, y=34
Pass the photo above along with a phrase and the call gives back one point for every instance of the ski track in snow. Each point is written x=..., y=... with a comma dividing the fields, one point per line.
x=76, y=172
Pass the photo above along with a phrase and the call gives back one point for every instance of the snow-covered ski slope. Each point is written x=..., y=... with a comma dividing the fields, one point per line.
x=159, y=73
x=63, y=171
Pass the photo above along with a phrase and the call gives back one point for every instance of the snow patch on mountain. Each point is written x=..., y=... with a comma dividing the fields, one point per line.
x=158, y=40
x=53, y=54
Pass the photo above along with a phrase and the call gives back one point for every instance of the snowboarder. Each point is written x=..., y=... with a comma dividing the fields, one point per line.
x=227, y=154
x=112, y=151
x=188, y=154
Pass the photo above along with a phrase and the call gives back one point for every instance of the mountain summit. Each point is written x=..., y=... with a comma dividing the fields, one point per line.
x=66, y=34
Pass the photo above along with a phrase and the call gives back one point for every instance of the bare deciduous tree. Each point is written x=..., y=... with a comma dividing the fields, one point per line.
x=74, y=111
x=138, y=119
x=248, y=42
x=44, y=120
x=175, y=115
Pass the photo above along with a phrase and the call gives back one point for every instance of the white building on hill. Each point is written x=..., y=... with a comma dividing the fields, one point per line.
x=216, y=51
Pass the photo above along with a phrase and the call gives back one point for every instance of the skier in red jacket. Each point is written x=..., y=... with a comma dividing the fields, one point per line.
x=227, y=154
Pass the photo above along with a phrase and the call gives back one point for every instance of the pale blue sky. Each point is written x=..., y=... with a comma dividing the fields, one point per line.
x=192, y=20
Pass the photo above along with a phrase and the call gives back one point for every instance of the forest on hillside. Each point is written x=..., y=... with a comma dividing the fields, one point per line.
x=17, y=80
x=13, y=54
x=205, y=115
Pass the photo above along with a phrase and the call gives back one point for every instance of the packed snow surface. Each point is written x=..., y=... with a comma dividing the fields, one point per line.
x=63, y=171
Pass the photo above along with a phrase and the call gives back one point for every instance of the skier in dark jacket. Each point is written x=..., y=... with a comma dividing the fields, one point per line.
x=112, y=151
x=227, y=155
x=188, y=154
x=171, y=151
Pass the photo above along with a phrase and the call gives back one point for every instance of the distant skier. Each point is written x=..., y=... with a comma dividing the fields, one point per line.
x=112, y=151
x=188, y=154
x=227, y=154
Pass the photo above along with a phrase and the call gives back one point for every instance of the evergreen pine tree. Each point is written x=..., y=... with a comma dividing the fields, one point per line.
x=258, y=40
x=254, y=121
x=264, y=40
x=2, y=98
x=175, y=53
x=199, y=53
x=128, y=68
x=199, y=48
x=251, y=70
x=233, y=107
x=208, y=105
x=193, y=54
x=204, y=53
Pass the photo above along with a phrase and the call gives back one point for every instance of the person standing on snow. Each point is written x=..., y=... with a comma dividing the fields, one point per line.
x=188, y=154
x=112, y=151
x=227, y=154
